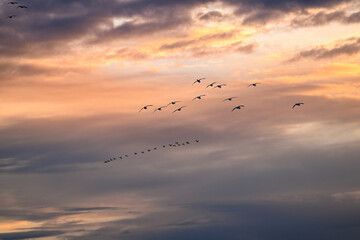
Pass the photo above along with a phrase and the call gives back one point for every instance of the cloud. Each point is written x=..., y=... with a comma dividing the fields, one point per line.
x=348, y=47
x=323, y=18
x=29, y=235
x=355, y=195
x=211, y=16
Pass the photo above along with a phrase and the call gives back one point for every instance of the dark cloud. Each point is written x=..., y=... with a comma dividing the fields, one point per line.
x=29, y=235
x=349, y=47
x=323, y=18
x=49, y=27
x=203, y=39
x=211, y=16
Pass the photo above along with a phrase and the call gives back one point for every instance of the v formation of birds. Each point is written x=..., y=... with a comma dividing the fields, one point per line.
x=197, y=81
x=213, y=85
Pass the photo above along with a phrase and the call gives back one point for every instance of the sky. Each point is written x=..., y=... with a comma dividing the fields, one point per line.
x=74, y=75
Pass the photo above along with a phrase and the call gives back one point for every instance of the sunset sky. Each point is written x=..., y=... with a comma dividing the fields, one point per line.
x=75, y=73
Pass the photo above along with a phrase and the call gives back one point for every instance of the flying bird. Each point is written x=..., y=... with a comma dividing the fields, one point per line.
x=11, y=16
x=253, y=84
x=238, y=107
x=13, y=3
x=135, y=153
x=159, y=108
x=145, y=107
x=173, y=103
x=298, y=104
x=148, y=150
x=198, y=97
x=155, y=148
x=179, y=109
x=211, y=84
x=126, y=155
x=164, y=146
x=198, y=80
x=229, y=99
x=142, y=151
x=220, y=86
x=22, y=6
x=187, y=143
x=196, y=140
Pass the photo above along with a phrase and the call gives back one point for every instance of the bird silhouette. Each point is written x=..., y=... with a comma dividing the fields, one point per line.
x=126, y=155
x=155, y=148
x=198, y=80
x=187, y=143
x=237, y=107
x=229, y=99
x=198, y=97
x=148, y=150
x=159, y=108
x=142, y=152
x=120, y=157
x=179, y=109
x=145, y=107
x=22, y=6
x=220, y=86
x=211, y=84
x=11, y=16
x=164, y=146
x=173, y=103
x=13, y=3
x=298, y=104
x=135, y=153
x=197, y=141
x=254, y=84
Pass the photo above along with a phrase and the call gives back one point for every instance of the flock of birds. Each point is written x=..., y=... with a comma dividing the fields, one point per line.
x=18, y=6
x=213, y=85
x=176, y=144
x=197, y=81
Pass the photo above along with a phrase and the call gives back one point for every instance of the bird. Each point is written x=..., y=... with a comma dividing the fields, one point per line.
x=164, y=146
x=142, y=151
x=120, y=157
x=135, y=153
x=170, y=145
x=148, y=150
x=197, y=141
x=173, y=103
x=22, y=6
x=159, y=108
x=229, y=99
x=253, y=84
x=211, y=84
x=298, y=104
x=155, y=148
x=11, y=16
x=198, y=97
x=220, y=86
x=179, y=109
x=198, y=80
x=183, y=144
x=237, y=107
x=126, y=155
x=187, y=143
x=13, y=3
x=145, y=107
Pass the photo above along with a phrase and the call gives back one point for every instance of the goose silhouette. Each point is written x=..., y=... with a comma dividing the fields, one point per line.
x=237, y=107
x=145, y=107
x=198, y=80
x=298, y=104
